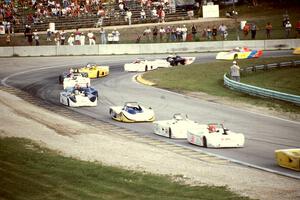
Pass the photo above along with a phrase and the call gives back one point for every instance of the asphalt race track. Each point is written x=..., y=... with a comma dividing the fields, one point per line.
x=264, y=134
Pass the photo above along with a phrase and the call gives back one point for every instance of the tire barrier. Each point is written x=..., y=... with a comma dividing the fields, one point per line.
x=257, y=91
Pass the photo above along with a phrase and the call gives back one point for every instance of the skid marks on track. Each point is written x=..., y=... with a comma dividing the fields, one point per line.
x=112, y=129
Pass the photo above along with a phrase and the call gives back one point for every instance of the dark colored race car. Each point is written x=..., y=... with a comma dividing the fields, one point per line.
x=175, y=60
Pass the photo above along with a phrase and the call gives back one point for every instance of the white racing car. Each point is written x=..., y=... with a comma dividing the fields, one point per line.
x=76, y=79
x=215, y=136
x=142, y=65
x=79, y=96
x=175, y=128
x=131, y=112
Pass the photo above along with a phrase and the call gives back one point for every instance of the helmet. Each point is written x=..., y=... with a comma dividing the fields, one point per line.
x=234, y=62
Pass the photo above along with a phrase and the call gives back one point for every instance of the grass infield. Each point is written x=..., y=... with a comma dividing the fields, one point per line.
x=208, y=78
x=29, y=171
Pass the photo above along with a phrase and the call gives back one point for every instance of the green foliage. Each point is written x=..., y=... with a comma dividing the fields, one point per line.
x=29, y=171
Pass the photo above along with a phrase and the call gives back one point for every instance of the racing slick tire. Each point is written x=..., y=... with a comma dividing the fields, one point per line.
x=68, y=102
x=204, y=141
x=60, y=79
x=98, y=74
x=112, y=114
x=235, y=57
x=146, y=68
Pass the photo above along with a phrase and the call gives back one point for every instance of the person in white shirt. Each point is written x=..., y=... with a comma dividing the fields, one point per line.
x=235, y=72
x=222, y=29
x=82, y=39
x=128, y=15
x=71, y=40
x=162, y=32
x=147, y=33
x=116, y=35
x=143, y=14
x=184, y=33
x=91, y=38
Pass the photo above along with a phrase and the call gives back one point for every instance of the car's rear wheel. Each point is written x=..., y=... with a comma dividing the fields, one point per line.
x=68, y=102
x=98, y=74
x=204, y=141
x=235, y=56
x=170, y=133
x=60, y=79
x=112, y=113
x=146, y=68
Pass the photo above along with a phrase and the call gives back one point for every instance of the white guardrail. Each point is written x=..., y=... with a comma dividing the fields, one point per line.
x=257, y=91
x=151, y=48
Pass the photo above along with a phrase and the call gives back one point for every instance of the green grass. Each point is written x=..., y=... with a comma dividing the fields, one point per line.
x=29, y=171
x=208, y=78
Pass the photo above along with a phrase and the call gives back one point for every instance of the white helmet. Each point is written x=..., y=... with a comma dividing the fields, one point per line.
x=234, y=62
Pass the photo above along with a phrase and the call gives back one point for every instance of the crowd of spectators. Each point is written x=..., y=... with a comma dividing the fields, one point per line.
x=181, y=33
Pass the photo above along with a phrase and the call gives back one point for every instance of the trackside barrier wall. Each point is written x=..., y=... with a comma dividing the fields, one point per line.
x=257, y=91
x=182, y=47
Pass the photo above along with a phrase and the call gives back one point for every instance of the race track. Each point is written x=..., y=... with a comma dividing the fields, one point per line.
x=264, y=134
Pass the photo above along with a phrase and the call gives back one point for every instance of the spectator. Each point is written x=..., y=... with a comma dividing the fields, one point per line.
x=184, y=33
x=116, y=36
x=62, y=37
x=194, y=32
x=168, y=33
x=222, y=29
x=82, y=39
x=214, y=32
x=208, y=33
x=103, y=36
x=235, y=72
x=173, y=34
x=29, y=36
x=49, y=35
x=154, y=13
x=143, y=14
x=268, y=30
x=288, y=28
x=91, y=37
x=225, y=35
x=155, y=33
x=161, y=34
x=57, y=38
x=162, y=16
x=253, y=31
x=77, y=37
x=36, y=37
x=71, y=40
x=147, y=33
x=178, y=33
x=128, y=17
x=246, y=30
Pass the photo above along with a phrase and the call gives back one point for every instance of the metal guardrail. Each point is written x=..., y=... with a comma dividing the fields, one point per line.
x=257, y=91
x=270, y=66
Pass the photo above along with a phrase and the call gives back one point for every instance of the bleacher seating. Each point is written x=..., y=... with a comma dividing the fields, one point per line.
x=90, y=20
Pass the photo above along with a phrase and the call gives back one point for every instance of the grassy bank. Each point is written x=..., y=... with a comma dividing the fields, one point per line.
x=208, y=78
x=31, y=172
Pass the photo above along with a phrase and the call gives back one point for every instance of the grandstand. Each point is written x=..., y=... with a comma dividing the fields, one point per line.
x=70, y=14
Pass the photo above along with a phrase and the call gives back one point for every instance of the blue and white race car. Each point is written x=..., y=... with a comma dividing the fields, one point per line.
x=131, y=112
x=79, y=96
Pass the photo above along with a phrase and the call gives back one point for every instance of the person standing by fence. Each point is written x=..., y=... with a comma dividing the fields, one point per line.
x=268, y=30
x=235, y=72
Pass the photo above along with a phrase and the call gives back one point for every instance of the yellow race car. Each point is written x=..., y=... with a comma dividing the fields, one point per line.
x=297, y=51
x=95, y=71
x=288, y=158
